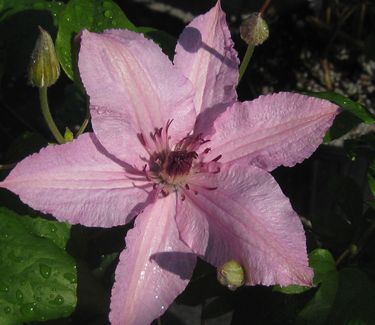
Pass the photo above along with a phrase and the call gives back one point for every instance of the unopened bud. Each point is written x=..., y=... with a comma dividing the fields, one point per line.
x=44, y=67
x=68, y=135
x=231, y=274
x=254, y=29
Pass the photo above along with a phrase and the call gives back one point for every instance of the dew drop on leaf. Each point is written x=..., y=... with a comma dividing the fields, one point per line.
x=3, y=287
x=70, y=277
x=19, y=295
x=28, y=309
x=108, y=13
x=45, y=271
x=7, y=310
x=59, y=300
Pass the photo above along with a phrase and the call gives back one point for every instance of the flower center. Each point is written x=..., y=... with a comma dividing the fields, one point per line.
x=172, y=169
x=176, y=166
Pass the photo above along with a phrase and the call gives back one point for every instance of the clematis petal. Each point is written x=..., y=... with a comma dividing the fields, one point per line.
x=133, y=88
x=154, y=268
x=79, y=182
x=205, y=54
x=247, y=219
x=273, y=130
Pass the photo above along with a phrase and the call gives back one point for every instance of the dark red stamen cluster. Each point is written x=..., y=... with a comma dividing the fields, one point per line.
x=179, y=162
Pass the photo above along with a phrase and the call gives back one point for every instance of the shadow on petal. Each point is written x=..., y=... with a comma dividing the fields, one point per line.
x=191, y=41
x=175, y=262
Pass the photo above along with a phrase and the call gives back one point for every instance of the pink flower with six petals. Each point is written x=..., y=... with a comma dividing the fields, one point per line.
x=174, y=147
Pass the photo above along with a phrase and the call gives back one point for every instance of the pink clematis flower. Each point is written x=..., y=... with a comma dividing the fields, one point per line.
x=174, y=147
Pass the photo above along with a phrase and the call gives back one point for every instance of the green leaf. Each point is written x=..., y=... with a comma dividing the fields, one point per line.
x=355, y=299
x=11, y=7
x=37, y=276
x=94, y=15
x=323, y=263
x=166, y=41
x=325, y=274
x=291, y=289
x=347, y=104
x=342, y=124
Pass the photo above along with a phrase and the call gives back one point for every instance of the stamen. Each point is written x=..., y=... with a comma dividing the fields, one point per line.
x=141, y=139
x=217, y=158
x=216, y=171
x=210, y=188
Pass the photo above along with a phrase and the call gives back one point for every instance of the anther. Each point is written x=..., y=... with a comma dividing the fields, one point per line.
x=217, y=158
x=210, y=188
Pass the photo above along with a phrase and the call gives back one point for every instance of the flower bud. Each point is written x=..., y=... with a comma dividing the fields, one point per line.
x=231, y=274
x=254, y=29
x=68, y=135
x=44, y=67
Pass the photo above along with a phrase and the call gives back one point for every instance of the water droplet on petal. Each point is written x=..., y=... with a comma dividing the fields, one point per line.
x=45, y=271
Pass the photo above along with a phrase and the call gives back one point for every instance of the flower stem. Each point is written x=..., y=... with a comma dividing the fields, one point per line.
x=47, y=115
x=7, y=166
x=246, y=60
x=84, y=124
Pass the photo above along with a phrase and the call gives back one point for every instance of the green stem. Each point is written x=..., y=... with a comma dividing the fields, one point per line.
x=7, y=166
x=47, y=115
x=84, y=124
x=246, y=60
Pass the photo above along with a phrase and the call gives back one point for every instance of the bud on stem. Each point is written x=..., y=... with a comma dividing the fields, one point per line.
x=231, y=274
x=254, y=29
x=44, y=67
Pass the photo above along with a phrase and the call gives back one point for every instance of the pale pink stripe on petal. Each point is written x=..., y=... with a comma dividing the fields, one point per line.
x=79, y=182
x=133, y=88
x=154, y=268
x=205, y=54
x=248, y=219
x=273, y=130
